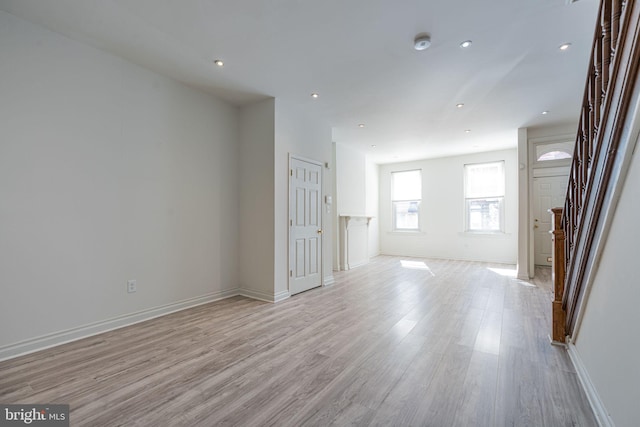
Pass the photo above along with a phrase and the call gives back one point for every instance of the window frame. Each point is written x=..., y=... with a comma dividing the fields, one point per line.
x=565, y=143
x=394, y=202
x=499, y=196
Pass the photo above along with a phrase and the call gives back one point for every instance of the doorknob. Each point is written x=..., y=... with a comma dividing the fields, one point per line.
x=319, y=231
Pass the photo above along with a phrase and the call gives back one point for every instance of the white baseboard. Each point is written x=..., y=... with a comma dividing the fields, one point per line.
x=61, y=337
x=329, y=280
x=352, y=265
x=599, y=410
x=280, y=296
x=264, y=296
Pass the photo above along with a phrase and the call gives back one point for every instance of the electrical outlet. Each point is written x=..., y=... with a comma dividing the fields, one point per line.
x=131, y=286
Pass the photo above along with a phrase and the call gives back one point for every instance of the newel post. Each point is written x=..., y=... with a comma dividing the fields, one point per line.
x=558, y=314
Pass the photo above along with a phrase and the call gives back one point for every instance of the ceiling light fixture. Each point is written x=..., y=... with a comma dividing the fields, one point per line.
x=467, y=131
x=361, y=125
x=314, y=95
x=465, y=44
x=565, y=46
x=373, y=146
x=459, y=105
x=422, y=41
x=219, y=62
x=545, y=112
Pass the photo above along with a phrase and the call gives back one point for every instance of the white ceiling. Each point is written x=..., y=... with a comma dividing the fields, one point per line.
x=358, y=56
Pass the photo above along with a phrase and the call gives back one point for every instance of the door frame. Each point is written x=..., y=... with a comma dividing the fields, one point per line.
x=539, y=169
x=293, y=156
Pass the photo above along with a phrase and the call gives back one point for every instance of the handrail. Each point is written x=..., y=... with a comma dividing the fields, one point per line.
x=610, y=82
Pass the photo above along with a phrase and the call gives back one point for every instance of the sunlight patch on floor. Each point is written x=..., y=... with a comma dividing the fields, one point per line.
x=416, y=265
x=525, y=283
x=506, y=272
x=488, y=340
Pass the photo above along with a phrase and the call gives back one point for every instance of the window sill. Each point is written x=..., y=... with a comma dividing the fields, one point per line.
x=485, y=234
x=406, y=233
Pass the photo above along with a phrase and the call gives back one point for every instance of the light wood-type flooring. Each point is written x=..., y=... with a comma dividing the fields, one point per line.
x=400, y=341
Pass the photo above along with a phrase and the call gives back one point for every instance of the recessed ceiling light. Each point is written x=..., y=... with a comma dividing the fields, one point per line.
x=314, y=95
x=565, y=46
x=219, y=62
x=459, y=105
x=465, y=44
x=373, y=146
x=361, y=125
x=467, y=131
x=545, y=112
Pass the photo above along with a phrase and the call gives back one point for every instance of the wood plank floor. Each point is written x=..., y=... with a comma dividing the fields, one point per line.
x=400, y=341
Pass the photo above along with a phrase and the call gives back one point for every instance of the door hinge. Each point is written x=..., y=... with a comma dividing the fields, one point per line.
x=291, y=172
x=291, y=223
x=290, y=273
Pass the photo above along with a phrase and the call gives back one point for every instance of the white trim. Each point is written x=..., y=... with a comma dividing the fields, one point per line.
x=552, y=171
x=523, y=264
x=485, y=234
x=281, y=296
x=599, y=410
x=407, y=233
x=62, y=337
x=264, y=296
x=304, y=159
x=511, y=262
x=351, y=266
x=329, y=280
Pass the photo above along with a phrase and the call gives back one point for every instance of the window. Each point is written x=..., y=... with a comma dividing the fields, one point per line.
x=548, y=152
x=406, y=195
x=484, y=196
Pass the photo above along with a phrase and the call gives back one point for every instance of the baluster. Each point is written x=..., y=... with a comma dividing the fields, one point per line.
x=584, y=162
x=616, y=12
x=578, y=159
x=576, y=207
x=605, y=52
x=593, y=126
x=597, y=81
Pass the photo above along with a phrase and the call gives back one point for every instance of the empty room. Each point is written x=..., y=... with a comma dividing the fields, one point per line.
x=289, y=213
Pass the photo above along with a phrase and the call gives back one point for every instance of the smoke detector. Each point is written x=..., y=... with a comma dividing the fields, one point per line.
x=422, y=41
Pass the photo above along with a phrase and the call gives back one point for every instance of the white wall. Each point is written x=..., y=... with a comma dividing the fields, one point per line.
x=372, y=206
x=308, y=137
x=108, y=172
x=256, y=212
x=357, y=188
x=442, y=212
x=524, y=212
x=608, y=342
x=351, y=179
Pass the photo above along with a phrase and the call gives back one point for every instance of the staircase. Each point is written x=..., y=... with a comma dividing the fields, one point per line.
x=607, y=131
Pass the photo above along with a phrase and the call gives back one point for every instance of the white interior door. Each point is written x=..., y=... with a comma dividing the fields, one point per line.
x=548, y=192
x=305, y=226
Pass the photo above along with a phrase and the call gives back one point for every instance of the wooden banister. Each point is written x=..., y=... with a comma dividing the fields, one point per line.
x=611, y=77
